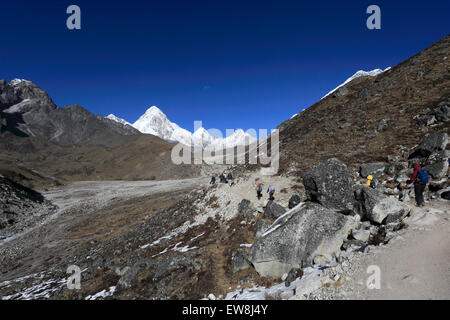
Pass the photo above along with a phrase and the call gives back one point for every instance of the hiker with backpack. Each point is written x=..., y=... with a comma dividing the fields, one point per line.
x=271, y=191
x=213, y=180
x=259, y=190
x=370, y=182
x=230, y=178
x=222, y=178
x=420, y=179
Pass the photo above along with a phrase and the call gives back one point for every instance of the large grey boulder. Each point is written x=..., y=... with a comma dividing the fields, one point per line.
x=438, y=169
x=376, y=169
x=330, y=184
x=312, y=230
x=273, y=210
x=431, y=143
x=379, y=208
x=437, y=157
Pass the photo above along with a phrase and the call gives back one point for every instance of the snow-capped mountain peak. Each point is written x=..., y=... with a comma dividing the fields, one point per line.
x=357, y=74
x=15, y=82
x=155, y=122
x=117, y=119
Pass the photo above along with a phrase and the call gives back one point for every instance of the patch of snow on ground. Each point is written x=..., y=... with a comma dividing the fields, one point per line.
x=277, y=223
x=196, y=237
x=260, y=292
x=182, y=249
x=102, y=294
x=155, y=242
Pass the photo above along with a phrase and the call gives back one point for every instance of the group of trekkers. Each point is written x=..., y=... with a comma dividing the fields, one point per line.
x=223, y=178
x=270, y=191
x=420, y=179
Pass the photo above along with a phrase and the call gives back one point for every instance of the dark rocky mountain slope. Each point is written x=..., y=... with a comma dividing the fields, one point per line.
x=42, y=144
x=374, y=116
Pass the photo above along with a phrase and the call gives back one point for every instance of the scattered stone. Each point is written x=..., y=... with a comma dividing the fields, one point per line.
x=322, y=260
x=239, y=260
x=286, y=295
x=306, y=287
x=273, y=210
x=345, y=125
x=361, y=235
x=246, y=209
x=294, y=201
x=342, y=91
x=383, y=124
x=293, y=274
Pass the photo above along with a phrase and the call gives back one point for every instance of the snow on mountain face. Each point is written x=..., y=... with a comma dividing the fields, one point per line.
x=117, y=119
x=360, y=73
x=16, y=82
x=155, y=122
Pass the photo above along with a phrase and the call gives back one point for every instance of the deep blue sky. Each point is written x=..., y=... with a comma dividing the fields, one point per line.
x=231, y=64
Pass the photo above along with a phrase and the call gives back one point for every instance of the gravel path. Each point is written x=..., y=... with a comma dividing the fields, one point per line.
x=416, y=262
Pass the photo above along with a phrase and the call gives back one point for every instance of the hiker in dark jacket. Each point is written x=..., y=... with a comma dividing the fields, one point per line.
x=271, y=191
x=213, y=180
x=230, y=179
x=419, y=186
x=222, y=178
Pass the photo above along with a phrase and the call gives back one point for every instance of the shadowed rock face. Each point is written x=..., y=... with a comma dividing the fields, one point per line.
x=27, y=110
x=19, y=205
x=330, y=184
x=19, y=90
x=310, y=232
x=70, y=143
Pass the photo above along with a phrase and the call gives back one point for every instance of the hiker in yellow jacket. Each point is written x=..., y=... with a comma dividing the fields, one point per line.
x=370, y=182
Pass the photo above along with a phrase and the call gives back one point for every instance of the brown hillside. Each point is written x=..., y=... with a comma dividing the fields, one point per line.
x=347, y=126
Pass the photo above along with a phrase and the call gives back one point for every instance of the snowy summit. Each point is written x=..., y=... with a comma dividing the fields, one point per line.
x=155, y=122
x=358, y=74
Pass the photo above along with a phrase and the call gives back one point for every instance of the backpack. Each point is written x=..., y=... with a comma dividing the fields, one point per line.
x=258, y=187
x=422, y=176
x=373, y=185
